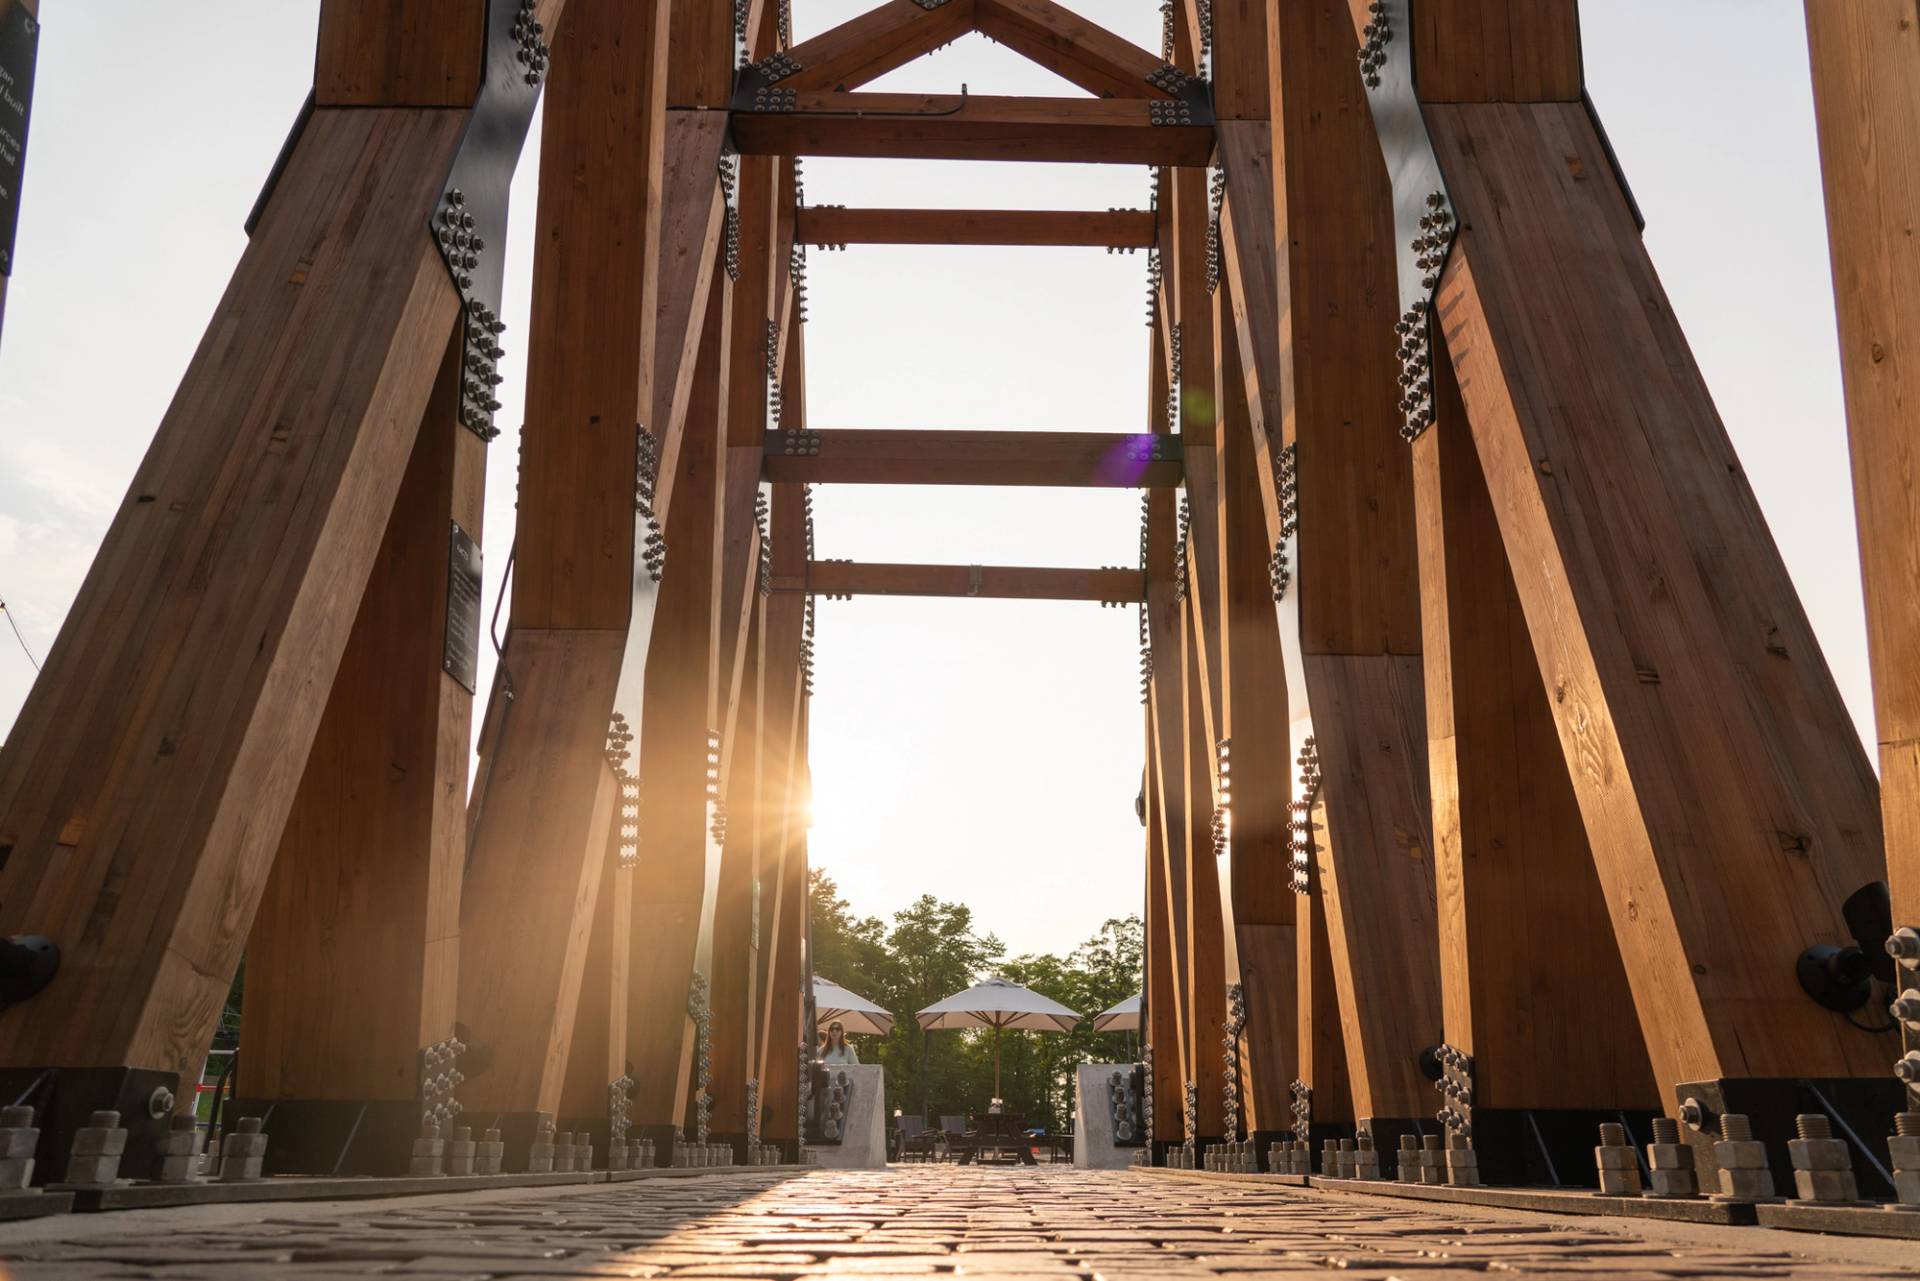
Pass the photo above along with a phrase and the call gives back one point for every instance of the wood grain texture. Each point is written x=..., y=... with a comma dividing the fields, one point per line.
x=670, y=885
x=1206, y=953
x=780, y=830
x=788, y=952
x=541, y=809
x=996, y=582
x=1160, y=1016
x=1324, y=1065
x=1193, y=327
x=692, y=214
x=869, y=45
x=1529, y=970
x=917, y=126
x=736, y=946
x=878, y=456
x=748, y=370
x=1378, y=895
x=700, y=72
x=1270, y=1045
x=1110, y=228
x=597, y=1048
x=1726, y=796
x=1495, y=50
x=538, y=823
x=1070, y=46
x=589, y=362
x=413, y=53
x=1166, y=704
x=1866, y=65
x=1355, y=590
x=1259, y=902
x=146, y=782
x=353, y=960
x=1239, y=60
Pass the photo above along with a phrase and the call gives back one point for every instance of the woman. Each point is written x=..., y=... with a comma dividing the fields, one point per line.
x=837, y=1050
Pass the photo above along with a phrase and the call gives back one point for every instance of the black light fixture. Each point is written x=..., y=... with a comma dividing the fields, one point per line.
x=1841, y=978
x=28, y=963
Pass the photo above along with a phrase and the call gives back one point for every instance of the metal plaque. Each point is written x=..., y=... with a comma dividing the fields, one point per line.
x=460, y=653
x=19, y=46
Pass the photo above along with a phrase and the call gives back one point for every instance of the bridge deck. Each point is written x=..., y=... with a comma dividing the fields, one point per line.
x=912, y=1221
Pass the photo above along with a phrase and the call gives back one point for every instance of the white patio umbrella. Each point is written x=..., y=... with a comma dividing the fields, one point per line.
x=1124, y=1017
x=856, y=1013
x=998, y=1003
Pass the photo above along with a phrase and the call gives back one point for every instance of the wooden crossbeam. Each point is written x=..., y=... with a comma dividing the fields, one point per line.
x=1110, y=228
x=1070, y=46
x=992, y=582
x=867, y=46
x=839, y=456
x=936, y=126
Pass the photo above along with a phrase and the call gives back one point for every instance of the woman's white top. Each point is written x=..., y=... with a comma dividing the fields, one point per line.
x=844, y=1054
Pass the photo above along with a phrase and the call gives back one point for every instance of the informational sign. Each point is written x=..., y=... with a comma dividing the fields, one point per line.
x=460, y=654
x=19, y=46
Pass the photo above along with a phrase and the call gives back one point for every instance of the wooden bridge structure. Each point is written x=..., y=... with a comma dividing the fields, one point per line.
x=1488, y=744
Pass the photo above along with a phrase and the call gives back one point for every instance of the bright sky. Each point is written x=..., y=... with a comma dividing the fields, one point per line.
x=982, y=751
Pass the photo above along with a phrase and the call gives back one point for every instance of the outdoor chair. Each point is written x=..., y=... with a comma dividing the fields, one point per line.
x=916, y=1141
x=953, y=1134
x=999, y=1133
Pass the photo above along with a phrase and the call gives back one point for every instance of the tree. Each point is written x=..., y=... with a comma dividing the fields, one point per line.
x=932, y=950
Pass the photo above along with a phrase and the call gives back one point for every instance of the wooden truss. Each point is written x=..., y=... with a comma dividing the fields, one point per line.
x=1487, y=745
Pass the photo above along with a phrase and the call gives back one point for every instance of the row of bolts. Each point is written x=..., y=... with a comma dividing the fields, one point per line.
x=1822, y=1165
x=186, y=1155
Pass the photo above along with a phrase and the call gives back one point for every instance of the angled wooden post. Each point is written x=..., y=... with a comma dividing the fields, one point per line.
x=599, y=1075
x=1164, y=660
x=1728, y=803
x=1255, y=756
x=1206, y=954
x=736, y=943
x=678, y=736
x=176, y=711
x=353, y=961
x=596, y=475
x=782, y=851
x=1304, y=244
x=1866, y=63
x=1160, y=1029
x=1529, y=970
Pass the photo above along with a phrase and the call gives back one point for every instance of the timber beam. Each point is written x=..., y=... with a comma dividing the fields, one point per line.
x=887, y=457
x=831, y=226
x=945, y=126
x=844, y=578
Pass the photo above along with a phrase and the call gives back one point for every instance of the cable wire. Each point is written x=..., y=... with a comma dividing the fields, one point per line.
x=18, y=637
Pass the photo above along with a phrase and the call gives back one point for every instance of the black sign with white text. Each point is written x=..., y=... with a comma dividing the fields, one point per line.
x=19, y=43
x=460, y=654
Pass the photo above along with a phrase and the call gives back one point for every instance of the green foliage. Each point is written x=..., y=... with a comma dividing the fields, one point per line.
x=931, y=951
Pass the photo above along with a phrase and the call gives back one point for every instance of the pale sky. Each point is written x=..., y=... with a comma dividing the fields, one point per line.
x=978, y=750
